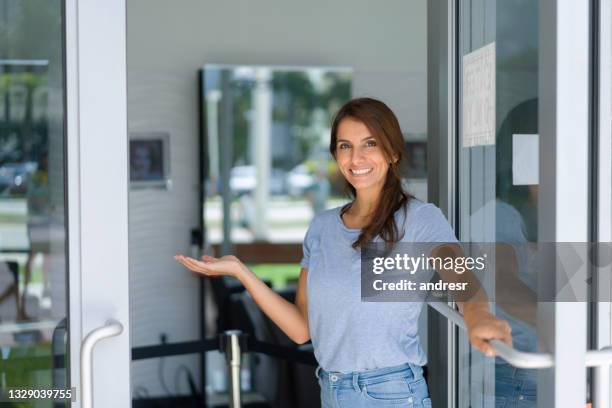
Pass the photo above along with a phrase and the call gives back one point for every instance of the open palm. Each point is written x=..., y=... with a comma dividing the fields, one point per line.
x=227, y=265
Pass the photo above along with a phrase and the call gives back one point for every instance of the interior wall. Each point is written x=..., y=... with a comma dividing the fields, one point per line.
x=385, y=44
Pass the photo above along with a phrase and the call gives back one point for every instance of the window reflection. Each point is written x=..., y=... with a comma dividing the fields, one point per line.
x=276, y=120
x=32, y=230
x=496, y=204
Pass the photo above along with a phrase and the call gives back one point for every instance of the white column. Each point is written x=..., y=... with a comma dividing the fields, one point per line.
x=212, y=134
x=262, y=123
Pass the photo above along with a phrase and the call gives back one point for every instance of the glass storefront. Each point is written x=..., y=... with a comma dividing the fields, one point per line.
x=33, y=271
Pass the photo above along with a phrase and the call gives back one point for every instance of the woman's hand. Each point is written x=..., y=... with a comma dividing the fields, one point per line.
x=482, y=326
x=227, y=265
x=285, y=314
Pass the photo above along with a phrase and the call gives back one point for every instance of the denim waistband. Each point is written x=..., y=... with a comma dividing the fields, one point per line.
x=412, y=371
x=503, y=369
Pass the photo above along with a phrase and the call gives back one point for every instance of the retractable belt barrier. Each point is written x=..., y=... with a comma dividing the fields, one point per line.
x=232, y=343
x=248, y=344
x=176, y=349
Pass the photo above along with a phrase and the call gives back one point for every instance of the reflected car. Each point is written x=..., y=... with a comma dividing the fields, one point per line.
x=14, y=177
x=299, y=180
x=243, y=179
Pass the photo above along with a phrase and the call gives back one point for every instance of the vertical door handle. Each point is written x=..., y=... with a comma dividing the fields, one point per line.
x=110, y=329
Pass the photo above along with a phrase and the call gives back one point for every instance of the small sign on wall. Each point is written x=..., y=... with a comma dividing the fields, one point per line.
x=149, y=160
x=478, y=100
x=525, y=159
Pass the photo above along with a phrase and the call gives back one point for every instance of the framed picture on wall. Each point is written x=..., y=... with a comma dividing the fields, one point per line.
x=149, y=160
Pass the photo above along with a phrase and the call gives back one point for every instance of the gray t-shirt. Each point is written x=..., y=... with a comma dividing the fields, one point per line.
x=348, y=334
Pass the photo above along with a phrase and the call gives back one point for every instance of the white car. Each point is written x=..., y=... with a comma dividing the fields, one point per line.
x=243, y=179
x=299, y=180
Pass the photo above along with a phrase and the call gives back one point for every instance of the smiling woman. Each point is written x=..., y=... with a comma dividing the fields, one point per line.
x=360, y=347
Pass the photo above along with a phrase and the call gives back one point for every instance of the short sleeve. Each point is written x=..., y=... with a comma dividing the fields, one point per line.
x=432, y=226
x=307, y=245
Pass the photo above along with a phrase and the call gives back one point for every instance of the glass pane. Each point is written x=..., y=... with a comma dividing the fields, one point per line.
x=272, y=128
x=498, y=180
x=33, y=295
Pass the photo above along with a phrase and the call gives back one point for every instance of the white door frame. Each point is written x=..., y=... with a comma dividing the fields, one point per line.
x=97, y=186
x=564, y=194
x=602, y=381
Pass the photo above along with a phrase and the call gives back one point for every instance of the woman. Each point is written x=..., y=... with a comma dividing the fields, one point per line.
x=369, y=353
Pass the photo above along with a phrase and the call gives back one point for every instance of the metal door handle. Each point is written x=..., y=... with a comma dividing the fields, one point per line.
x=520, y=359
x=597, y=358
x=110, y=329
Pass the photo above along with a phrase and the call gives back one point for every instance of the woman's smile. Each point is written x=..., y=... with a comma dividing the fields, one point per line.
x=362, y=172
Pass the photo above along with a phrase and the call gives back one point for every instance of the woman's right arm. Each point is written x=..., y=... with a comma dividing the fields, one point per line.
x=291, y=318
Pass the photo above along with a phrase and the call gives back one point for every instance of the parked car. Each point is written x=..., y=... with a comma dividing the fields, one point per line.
x=14, y=177
x=243, y=179
x=299, y=180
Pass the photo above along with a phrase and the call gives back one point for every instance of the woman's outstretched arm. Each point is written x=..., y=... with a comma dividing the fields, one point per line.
x=291, y=318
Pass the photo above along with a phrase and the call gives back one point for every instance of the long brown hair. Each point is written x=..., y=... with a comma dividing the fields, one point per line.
x=384, y=126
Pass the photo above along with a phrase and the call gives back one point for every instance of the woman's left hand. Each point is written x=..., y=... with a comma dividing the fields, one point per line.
x=482, y=326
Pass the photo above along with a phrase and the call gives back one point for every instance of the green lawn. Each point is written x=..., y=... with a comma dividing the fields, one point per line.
x=29, y=366
x=13, y=218
x=279, y=274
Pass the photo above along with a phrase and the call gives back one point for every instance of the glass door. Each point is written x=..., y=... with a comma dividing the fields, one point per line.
x=511, y=128
x=63, y=204
x=514, y=189
x=33, y=242
x=498, y=95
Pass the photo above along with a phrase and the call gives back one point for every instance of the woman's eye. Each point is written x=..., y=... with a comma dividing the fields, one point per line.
x=343, y=146
x=371, y=143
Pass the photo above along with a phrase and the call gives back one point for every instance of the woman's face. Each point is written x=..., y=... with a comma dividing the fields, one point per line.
x=360, y=157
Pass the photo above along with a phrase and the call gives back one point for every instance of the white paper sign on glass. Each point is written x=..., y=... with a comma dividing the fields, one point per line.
x=479, y=97
x=525, y=159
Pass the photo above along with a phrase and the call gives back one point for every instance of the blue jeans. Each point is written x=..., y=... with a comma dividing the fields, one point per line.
x=398, y=386
x=515, y=387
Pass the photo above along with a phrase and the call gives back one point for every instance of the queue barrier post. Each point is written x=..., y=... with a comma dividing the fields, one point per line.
x=233, y=344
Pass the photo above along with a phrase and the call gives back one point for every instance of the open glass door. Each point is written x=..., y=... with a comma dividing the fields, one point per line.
x=63, y=205
x=498, y=120
x=523, y=139
x=513, y=125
